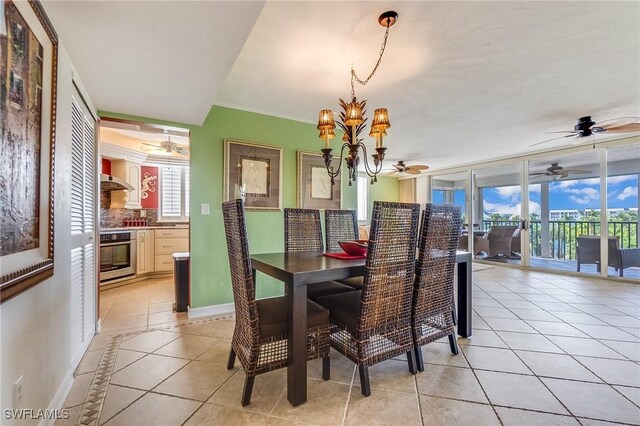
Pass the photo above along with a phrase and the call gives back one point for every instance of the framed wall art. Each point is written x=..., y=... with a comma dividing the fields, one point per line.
x=253, y=172
x=314, y=183
x=28, y=71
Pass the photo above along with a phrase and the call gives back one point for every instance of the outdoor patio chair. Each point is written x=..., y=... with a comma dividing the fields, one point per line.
x=374, y=325
x=588, y=253
x=500, y=241
x=303, y=232
x=260, y=333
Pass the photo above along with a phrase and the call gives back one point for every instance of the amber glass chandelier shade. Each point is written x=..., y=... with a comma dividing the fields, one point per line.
x=327, y=134
x=377, y=132
x=353, y=116
x=325, y=120
x=380, y=120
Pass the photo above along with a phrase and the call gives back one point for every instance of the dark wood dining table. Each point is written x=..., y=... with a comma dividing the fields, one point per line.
x=298, y=270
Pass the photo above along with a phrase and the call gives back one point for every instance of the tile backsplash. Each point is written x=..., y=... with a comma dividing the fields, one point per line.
x=115, y=218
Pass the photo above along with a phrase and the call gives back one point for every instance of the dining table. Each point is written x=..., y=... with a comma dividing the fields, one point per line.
x=297, y=270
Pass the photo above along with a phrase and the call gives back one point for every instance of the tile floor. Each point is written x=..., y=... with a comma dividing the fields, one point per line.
x=546, y=349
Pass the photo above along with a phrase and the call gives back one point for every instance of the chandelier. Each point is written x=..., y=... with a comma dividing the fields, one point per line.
x=352, y=123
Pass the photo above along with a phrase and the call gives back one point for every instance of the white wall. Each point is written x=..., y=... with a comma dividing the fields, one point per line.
x=35, y=325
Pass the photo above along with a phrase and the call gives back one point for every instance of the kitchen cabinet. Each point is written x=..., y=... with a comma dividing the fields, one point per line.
x=130, y=172
x=145, y=252
x=167, y=242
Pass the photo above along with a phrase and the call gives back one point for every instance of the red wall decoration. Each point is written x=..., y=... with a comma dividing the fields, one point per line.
x=106, y=166
x=150, y=186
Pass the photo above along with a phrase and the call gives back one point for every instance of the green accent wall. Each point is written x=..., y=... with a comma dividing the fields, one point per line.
x=385, y=189
x=210, y=280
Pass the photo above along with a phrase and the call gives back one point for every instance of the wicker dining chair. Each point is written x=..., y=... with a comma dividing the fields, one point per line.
x=260, y=333
x=342, y=225
x=433, y=316
x=374, y=324
x=303, y=232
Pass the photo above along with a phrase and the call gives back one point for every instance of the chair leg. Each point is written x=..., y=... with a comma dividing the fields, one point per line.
x=365, y=386
x=248, y=388
x=326, y=368
x=453, y=344
x=419, y=360
x=232, y=359
x=454, y=316
x=411, y=360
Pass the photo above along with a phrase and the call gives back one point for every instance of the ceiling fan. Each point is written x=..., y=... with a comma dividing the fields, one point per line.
x=556, y=171
x=586, y=127
x=168, y=147
x=400, y=167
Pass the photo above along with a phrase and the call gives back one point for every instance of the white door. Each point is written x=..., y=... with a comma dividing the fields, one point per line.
x=83, y=212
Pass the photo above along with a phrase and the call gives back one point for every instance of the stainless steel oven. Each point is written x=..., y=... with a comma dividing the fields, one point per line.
x=117, y=254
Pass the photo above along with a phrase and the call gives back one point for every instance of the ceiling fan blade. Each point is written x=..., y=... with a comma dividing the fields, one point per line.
x=553, y=139
x=183, y=151
x=562, y=131
x=576, y=171
x=153, y=145
x=412, y=171
x=419, y=167
x=624, y=128
x=538, y=174
x=615, y=122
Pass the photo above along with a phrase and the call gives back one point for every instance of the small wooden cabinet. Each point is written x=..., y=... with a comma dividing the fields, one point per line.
x=145, y=253
x=167, y=242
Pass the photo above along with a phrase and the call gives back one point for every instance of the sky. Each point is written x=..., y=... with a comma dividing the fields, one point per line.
x=576, y=194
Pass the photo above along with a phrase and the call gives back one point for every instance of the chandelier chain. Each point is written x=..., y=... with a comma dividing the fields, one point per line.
x=354, y=77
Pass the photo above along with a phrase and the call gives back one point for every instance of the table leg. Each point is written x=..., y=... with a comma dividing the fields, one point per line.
x=297, y=349
x=465, y=313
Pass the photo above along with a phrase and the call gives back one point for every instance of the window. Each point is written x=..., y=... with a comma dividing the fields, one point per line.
x=363, y=193
x=174, y=193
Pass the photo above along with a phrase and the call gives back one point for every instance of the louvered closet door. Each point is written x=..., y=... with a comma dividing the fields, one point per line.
x=83, y=213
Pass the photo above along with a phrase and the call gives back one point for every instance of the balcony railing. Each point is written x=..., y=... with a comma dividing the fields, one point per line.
x=563, y=235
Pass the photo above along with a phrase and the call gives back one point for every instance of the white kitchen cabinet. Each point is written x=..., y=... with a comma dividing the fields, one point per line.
x=130, y=172
x=145, y=252
x=167, y=242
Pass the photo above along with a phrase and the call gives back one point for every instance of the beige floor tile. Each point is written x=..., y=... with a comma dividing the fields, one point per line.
x=156, y=410
x=518, y=391
x=222, y=329
x=630, y=350
x=632, y=394
x=99, y=341
x=596, y=401
x=390, y=375
x=494, y=312
x=211, y=413
x=124, y=323
x=579, y=318
x=161, y=296
x=613, y=371
x=366, y=410
x=534, y=315
x=341, y=368
x=268, y=388
x=529, y=342
x=167, y=317
x=556, y=329
x=598, y=309
x=121, y=310
x=607, y=332
x=440, y=353
x=619, y=320
x=217, y=353
x=149, y=342
x=487, y=338
x=198, y=380
x=585, y=347
x=187, y=346
x=125, y=358
x=440, y=411
x=161, y=307
x=79, y=390
x=557, y=307
x=148, y=372
x=510, y=324
x=89, y=361
x=450, y=382
x=556, y=365
x=72, y=418
x=494, y=359
x=514, y=417
x=117, y=399
x=325, y=404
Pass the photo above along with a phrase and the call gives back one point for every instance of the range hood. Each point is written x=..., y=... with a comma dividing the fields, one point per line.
x=111, y=183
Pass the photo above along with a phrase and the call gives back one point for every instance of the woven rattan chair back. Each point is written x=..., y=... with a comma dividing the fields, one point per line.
x=433, y=291
x=387, y=290
x=246, y=334
x=302, y=230
x=340, y=225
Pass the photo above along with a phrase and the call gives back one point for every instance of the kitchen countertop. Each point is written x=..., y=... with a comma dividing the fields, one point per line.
x=142, y=228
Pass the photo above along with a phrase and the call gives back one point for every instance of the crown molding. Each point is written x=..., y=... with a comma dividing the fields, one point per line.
x=116, y=152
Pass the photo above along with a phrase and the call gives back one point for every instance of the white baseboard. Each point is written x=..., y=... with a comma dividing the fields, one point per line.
x=208, y=311
x=61, y=395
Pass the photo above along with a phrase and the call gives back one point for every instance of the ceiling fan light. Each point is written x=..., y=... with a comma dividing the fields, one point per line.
x=380, y=119
x=353, y=115
x=325, y=120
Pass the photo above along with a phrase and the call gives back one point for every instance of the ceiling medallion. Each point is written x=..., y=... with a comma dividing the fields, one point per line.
x=352, y=123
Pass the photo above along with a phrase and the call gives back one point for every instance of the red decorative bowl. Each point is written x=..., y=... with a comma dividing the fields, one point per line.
x=354, y=248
